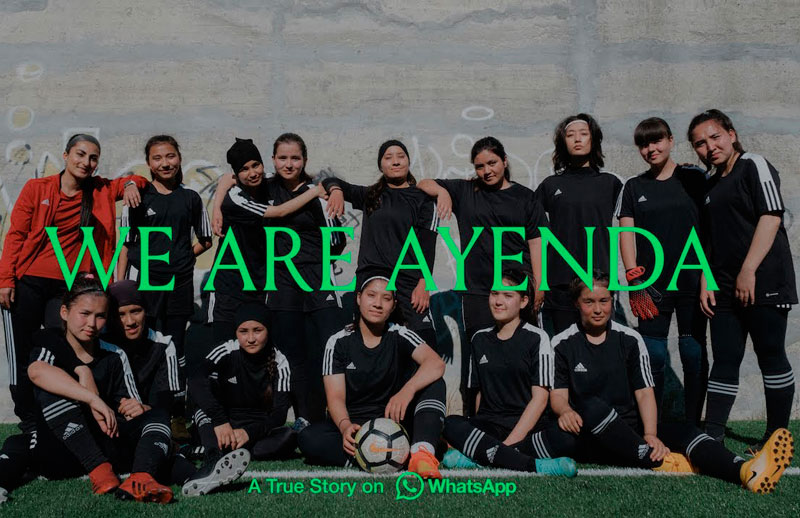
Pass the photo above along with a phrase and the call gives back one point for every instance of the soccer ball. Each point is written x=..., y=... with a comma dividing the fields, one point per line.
x=382, y=446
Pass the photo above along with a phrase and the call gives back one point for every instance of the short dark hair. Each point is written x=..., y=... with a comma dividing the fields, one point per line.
x=517, y=276
x=651, y=130
x=561, y=157
x=577, y=284
x=718, y=117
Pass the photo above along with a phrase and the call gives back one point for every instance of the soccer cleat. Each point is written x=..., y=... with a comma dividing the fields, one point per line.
x=103, y=479
x=454, y=459
x=559, y=467
x=142, y=487
x=675, y=463
x=300, y=424
x=3, y=495
x=218, y=470
x=761, y=473
x=424, y=463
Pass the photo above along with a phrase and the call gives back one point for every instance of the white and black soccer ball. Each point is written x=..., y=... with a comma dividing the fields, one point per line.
x=382, y=446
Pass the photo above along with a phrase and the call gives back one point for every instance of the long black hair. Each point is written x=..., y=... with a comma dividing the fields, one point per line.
x=372, y=200
x=84, y=284
x=87, y=187
x=293, y=138
x=491, y=145
x=561, y=157
x=164, y=139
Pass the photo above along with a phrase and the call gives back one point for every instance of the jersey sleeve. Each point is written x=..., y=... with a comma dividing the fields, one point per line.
x=238, y=207
x=200, y=222
x=123, y=382
x=18, y=230
x=49, y=347
x=625, y=204
x=541, y=362
x=457, y=189
x=335, y=359
x=200, y=382
x=534, y=216
x=168, y=381
x=355, y=194
x=541, y=197
x=117, y=185
x=408, y=340
x=617, y=188
x=638, y=361
x=473, y=380
x=427, y=222
x=764, y=185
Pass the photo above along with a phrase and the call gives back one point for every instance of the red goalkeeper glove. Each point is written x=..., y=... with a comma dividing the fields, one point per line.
x=643, y=302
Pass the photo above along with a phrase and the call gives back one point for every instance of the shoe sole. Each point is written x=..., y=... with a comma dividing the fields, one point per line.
x=227, y=469
x=770, y=463
x=161, y=495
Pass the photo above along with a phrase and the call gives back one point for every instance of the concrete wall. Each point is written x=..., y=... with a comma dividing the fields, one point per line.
x=349, y=74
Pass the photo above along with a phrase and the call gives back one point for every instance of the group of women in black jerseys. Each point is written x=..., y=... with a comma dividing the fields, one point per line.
x=98, y=388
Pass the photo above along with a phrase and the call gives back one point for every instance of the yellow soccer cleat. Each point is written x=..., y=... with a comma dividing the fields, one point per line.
x=761, y=473
x=424, y=464
x=675, y=463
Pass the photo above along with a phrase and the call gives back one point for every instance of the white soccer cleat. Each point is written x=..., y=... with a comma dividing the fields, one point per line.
x=217, y=472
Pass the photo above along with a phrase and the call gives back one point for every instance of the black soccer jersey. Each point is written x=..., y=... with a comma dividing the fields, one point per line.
x=110, y=367
x=733, y=207
x=575, y=199
x=610, y=371
x=183, y=211
x=384, y=231
x=505, y=370
x=243, y=214
x=475, y=206
x=372, y=375
x=230, y=385
x=669, y=209
x=154, y=362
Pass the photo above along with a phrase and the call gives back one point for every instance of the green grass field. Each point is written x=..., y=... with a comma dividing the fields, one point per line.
x=603, y=495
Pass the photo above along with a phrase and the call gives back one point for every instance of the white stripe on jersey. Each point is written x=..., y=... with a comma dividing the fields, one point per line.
x=125, y=221
x=407, y=333
x=130, y=380
x=171, y=354
x=618, y=205
x=485, y=330
x=563, y=335
x=203, y=230
x=644, y=357
x=435, y=218
x=546, y=363
x=211, y=302
x=327, y=360
x=222, y=350
x=249, y=205
x=771, y=195
x=284, y=372
x=11, y=353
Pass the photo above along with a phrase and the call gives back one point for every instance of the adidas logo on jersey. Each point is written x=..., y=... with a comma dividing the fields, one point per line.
x=232, y=380
x=558, y=191
x=3, y=456
x=150, y=211
x=580, y=368
x=483, y=360
x=643, y=449
x=329, y=298
x=351, y=367
x=491, y=452
x=426, y=319
x=708, y=200
x=71, y=429
x=45, y=201
x=163, y=446
x=641, y=198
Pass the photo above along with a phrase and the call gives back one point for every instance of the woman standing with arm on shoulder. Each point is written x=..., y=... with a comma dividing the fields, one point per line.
x=577, y=196
x=665, y=200
x=752, y=266
x=490, y=200
x=30, y=277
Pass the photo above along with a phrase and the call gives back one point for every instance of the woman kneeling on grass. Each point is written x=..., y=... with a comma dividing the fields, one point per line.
x=376, y=369
x=512, y=369
x=603, y=396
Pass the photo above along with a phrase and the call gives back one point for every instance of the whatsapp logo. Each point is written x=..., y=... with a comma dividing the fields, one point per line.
x=409, y=486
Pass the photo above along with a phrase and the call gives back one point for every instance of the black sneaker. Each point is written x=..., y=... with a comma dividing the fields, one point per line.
x=217, y=470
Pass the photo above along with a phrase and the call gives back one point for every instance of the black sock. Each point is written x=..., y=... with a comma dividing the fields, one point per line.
x=713, y=459
x=483, y=448
x=721, y=397
x=779, y=394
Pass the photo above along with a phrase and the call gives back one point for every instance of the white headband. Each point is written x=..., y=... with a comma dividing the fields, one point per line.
x=573, y=122
x=374, y=277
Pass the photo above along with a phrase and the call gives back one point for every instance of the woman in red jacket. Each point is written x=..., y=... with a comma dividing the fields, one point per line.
x=30, y=276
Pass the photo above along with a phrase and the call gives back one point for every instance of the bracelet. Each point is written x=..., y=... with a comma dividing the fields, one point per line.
x=129, y=183
x=340, y=421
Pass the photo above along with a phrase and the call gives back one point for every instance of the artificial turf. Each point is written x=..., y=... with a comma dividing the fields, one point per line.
x=534, y=496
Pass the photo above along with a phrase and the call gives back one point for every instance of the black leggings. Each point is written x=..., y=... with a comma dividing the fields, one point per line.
x=691, y=346
x=321, y=443
x=766, y=326
x=606, y=438
x=302, y=336
x=36, y=304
